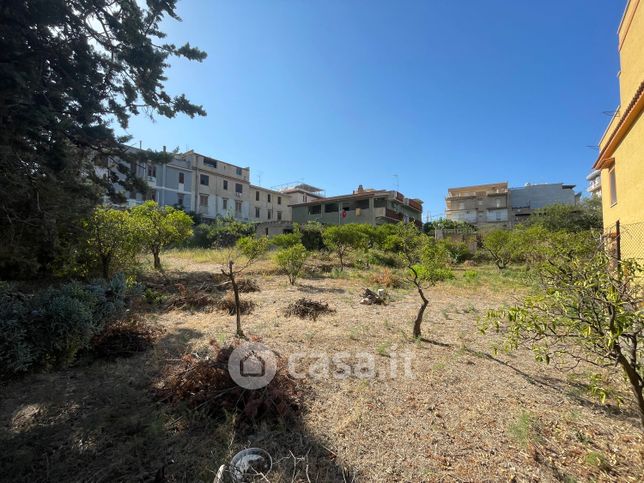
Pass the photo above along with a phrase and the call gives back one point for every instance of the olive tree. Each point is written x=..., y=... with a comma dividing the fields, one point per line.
x=158, y=227
x=588, y=307
x=426, y=261
x=246, y=251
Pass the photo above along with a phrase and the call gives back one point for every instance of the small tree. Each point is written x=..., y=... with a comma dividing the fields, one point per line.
x=291, y=260
x=158, y=227
x=427, y=263
x=342, y=239
x=500, y=245
x=589, y=307
x=251, y=249
x=111, y=238
x=287, y=240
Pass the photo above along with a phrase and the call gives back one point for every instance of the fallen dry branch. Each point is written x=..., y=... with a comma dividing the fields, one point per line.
x=245, y=285
x=307, y=309
x=185, y=298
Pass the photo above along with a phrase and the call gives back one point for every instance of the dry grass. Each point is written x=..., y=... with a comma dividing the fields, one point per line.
x=468, y=414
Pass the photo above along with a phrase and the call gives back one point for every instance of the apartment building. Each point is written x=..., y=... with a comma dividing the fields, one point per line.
x=484, y=205
x=268, y=205
x=594, y=183
x=221, y=189
x=526, y=199
x=370, y=206
x=621, y=147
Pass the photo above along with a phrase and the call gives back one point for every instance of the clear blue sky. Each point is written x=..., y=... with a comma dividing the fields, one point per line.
x=440, y=92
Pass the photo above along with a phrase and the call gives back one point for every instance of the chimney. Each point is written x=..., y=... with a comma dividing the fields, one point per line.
x=360, y=189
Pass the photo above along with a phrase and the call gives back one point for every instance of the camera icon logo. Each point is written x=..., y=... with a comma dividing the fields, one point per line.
x=252, y=365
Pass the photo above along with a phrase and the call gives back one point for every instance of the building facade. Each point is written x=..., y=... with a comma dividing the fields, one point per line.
x=485, y=206
x=374, y=207
x=621, y=147
x=492, y=206
x=526, y=199
x=594, y=183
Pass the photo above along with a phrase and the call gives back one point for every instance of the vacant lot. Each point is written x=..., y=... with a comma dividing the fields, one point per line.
x=468, y=414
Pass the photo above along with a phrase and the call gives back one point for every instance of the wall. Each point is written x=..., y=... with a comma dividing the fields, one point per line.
x=540, y=196
x=278, y=203
x=631, y=50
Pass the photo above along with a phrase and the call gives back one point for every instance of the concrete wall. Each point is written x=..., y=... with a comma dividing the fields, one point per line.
x=278, y=204
x=541, y=195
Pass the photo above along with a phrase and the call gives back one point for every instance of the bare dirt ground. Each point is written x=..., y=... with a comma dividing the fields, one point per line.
x=468, y=413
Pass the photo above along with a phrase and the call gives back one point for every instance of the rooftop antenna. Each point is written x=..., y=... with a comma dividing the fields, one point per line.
x=596, y=148
x=259, y=178
x=397, y=182
x=140, y=144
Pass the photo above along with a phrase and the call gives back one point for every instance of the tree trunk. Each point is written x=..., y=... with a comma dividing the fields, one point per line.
x=636, y=384
x=341, y=261
x=157, y=260
x=231, y=274
x=421, y=312
x=105, y=266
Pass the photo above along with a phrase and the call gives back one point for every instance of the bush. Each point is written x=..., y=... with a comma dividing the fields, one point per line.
x=52, y=327
x=223, y=233
x=311, y=233
x=458, y=251
x=387, y=278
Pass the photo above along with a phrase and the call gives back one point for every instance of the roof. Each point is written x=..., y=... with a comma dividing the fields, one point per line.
x=254, y=186
x=360, y=196
x=628, y=118
x=488, y=185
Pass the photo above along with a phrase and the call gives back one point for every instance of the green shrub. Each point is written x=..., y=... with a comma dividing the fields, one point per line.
x=50, y=328
x=312, y=235
x=291, y=260
x=470, y=275
x=458, y=251
x=223, y=233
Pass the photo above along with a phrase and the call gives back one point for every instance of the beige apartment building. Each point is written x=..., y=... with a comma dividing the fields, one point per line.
x=485, y=205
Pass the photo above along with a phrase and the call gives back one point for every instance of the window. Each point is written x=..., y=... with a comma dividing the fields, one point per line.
x=238, y=171
x=304, y=198
x=238, y=207
x=279, y=215
x=270, y=214
x=256, y=195
x=498, y=215
x=182, y=178
x=269, y=197
x=257, y=212
x=379, y=203
x=204, y=179
x=152, y=170
x=224, y=203
x=315, y=209
x=612, y=181
x=498, y=202
x=210, y=162
x=180, y=199
x=279, y=200
x=331, y=208
x=239, y=188
x=225, y=184
x=151, y=195
x=461, y=206
x=203, y=200
x=362, y=204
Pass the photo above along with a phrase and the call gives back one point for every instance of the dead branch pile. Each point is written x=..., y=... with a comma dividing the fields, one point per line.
x=307, y=309
x=204, y=383
x=245, y=285
x=369, y=297
x=185, y=298
x=125, y=338
x=228, y=304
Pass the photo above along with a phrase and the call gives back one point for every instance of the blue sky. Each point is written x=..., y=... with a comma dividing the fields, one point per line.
x=442, y=93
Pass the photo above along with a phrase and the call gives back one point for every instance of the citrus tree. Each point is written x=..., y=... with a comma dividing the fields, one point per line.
x=500, y=245
x=111, y=238
x=426, y=261
x=341, y=239
x=291, y=260
x=246, y=251
x=158, y=227
x=589, y=307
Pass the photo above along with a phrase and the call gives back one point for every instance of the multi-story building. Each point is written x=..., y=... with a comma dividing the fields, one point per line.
x=268, y=205
x=526, y=199
x=594, y=183
x=622, y=145
x=485, y=205
x=370, y=206
x=221, y=189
